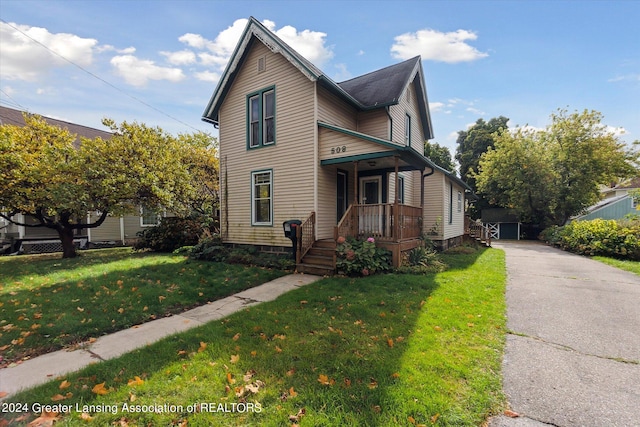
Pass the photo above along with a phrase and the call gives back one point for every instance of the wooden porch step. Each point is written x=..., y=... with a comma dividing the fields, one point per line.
x=319, y=259
x=317, y=270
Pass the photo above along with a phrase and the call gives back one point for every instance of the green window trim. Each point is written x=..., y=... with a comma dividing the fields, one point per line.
x=261, y=118
x=262, y=198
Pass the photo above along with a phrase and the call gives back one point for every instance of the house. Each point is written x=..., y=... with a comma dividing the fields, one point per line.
x=617, y=202
x=114, y=231
x=345, y=158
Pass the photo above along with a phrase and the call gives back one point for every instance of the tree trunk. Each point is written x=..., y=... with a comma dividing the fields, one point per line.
x=68, y=247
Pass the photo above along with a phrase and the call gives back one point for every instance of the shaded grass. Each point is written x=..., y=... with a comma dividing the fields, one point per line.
x=48, y=303
x=628, y=265
x=385, y=350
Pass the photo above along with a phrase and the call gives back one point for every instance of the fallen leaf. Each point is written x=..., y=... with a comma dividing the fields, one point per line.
x=99, y=389
x=45, y=419
x=121, y=310
x=3, y=394
x=411, y=420
x=395, y=375
x=323, y=379
x=235, y=358
x=292, y=392
x=230, y=379
x=86, y=417
x=135, y=381
x=203, y=346
x=254, y=353
x=278, y=349
x=347, y=382
x=390, y=342
x=57, y=397
x=236, y=337
x=64, y=384
x=435, y=418
x=511, y=414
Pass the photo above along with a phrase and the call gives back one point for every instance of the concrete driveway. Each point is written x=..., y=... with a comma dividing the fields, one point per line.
x=573, y=349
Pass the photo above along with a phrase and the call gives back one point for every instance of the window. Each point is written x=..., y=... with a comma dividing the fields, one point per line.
x=407, y=130
x=459, y=201
x=262, y=198
x=149, y=217
x=261, y=113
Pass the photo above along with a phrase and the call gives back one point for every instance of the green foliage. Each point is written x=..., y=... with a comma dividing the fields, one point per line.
x=472, y=143
x=47, y=175
x=422, y=260
x=171, y=234
x=549, y=175
x=619, y=239
x=440, y=155
x=212, y=249
x=361, y=257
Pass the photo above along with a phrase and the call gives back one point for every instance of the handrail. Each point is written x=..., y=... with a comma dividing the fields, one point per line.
x=345, y=227
x=385, y=221
x=306, y=236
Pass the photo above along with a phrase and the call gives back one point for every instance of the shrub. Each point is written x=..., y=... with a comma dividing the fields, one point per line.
x=361, y=257
x=620, y=239
x=170, y=234
x=211, y=248
x=421, y=260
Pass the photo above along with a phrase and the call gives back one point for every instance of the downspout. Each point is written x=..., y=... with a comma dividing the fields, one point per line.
x=424, y=175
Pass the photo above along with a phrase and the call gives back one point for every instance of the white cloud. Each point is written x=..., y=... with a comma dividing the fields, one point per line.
x=215, y=54
x=138, y=72
x=208, y=76
x=109, y=48
x=181, y=57
x=436, y=106
x=434, y=45
x=626, y=78
x=342, y=74
x=29, y=53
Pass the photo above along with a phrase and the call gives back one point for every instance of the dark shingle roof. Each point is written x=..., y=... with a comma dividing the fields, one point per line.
x=381, y=87
x=9, y=116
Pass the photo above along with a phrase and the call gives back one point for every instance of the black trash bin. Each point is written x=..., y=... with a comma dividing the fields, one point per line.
x=290, y=228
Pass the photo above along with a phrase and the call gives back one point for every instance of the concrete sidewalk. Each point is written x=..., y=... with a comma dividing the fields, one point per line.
x=49, y=366
x=573, y=350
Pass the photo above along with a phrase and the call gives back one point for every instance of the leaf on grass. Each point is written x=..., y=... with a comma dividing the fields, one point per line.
x=161, y=297
x=135, y=381
x=347, y=382
x=435, y=418
x=395, y=375
x=45, y=419
x=203, y=346
x=236, y=337
x=64, y=384
x=99, y=389
x=411, y=420
x=292, y=392
x=373, y=384
x=511, y=414
x=80, y=309
x=323, y=379
x=278, y=349
x=296, y=418
x=235, y=358
x=471, y=325
x=121, y=310
x=230, y=379
x=86, y=417
x=390, y=342
x=290, y=372
x=254, y=353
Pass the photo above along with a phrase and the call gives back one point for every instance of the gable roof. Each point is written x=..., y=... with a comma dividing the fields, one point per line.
x=373, y=90
x=9, y=116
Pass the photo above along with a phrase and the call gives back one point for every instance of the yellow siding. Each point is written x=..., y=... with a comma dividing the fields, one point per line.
x=291, y=158
x=336, y=144
x=408, y=105
x=374, y=123
x=132, y=226
x=434, y=205
x=334, y=111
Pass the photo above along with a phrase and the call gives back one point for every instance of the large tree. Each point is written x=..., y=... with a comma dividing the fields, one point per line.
x=472, y=143
x=440, y=155
x=46, y=175
x=549, y=175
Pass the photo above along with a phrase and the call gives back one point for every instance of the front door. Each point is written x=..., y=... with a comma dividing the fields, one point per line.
x=370, y=218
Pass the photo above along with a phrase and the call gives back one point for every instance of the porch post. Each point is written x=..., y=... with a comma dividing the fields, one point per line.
x=396, y=212
x=354, y=212
x=355, y=182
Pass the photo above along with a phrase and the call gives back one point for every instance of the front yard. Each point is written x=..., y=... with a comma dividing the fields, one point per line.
x=47, y=303
x=384, y=350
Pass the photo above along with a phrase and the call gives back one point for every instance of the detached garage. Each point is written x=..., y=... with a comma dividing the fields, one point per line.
x=502, y=224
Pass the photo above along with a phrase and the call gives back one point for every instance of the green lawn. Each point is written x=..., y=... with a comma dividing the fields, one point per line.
x=387, y=350
x=47, y=303
x=632, y=266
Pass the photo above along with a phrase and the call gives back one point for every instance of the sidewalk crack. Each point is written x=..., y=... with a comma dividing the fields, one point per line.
x=571, y=349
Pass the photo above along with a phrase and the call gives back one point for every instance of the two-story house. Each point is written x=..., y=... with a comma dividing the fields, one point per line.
x=345, y=158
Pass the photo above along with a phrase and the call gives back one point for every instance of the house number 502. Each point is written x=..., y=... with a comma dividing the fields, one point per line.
x=336, y=150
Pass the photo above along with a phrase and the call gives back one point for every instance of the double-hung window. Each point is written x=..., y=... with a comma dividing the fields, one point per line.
x=261, y=116
x=262, y=198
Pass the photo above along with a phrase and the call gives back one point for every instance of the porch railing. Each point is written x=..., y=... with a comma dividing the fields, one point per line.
x=382, y=221
x=306, y=234
x=479, y=231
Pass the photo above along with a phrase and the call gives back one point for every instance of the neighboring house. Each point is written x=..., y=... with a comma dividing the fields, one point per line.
x=114, y=231
x=617, y=202
x=345, y=158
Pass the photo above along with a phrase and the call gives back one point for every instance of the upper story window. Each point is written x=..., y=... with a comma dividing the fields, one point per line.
x=261, y=125
x=407, y=129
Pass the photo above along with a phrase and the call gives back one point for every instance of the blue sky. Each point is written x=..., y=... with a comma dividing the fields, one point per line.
x=158, y=62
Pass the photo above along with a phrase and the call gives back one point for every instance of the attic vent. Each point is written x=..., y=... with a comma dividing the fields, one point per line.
x=408, y=94
x=262, y=64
